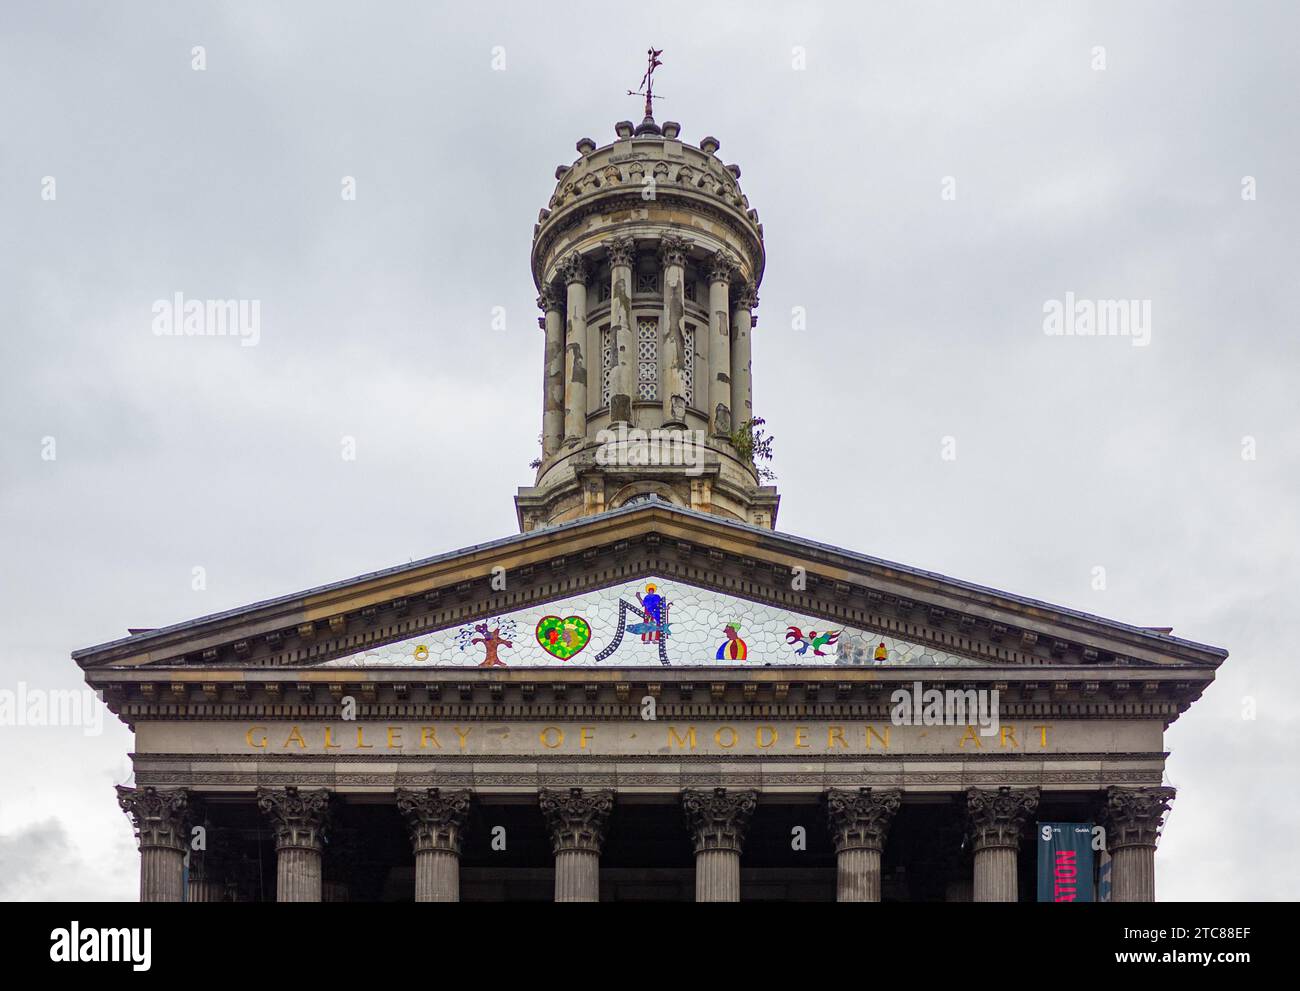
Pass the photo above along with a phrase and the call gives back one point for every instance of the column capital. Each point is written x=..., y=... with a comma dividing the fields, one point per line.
x=860, y=819
x=673, y=249
x=300, y=818
x=436, y=820
x=161, y=818
x=573, y=268
x=622, y=251
x=549, y=299
x=1133, y=816
x=576, y=818
x=719, y=819
x=745, y=296
x=997, y=818
x=720, y=266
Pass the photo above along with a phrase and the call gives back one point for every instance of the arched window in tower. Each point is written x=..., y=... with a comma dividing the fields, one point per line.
x=606, y=364
x=647, y=359
x=688, y=374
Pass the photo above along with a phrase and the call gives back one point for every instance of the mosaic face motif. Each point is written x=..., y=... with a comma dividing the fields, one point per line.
x=650, y=622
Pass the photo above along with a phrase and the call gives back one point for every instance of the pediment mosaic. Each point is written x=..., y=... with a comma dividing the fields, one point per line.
x=651, y=621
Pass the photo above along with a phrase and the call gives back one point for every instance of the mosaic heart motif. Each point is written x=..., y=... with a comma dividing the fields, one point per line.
x=563, y=638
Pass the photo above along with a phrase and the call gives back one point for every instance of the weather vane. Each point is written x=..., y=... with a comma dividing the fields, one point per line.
x=647, y=81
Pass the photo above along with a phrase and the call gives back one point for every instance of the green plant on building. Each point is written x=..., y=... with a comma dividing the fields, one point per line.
x=755, y=446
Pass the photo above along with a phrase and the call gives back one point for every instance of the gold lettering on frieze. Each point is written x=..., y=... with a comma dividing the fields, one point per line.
x=677, y=740
x=617, y=738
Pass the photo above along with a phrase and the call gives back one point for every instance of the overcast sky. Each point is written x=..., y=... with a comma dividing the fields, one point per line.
x=1174, y=466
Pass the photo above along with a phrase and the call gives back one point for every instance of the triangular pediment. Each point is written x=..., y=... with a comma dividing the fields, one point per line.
x=652, y=621
x=782, y=591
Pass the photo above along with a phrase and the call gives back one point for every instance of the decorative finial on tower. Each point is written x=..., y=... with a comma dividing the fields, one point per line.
x=646, y=89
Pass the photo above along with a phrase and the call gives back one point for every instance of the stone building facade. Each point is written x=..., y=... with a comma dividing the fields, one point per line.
x=649, y=693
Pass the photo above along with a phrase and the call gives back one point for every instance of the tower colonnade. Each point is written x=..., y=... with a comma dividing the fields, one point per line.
x=607, y=361
x=647, y=261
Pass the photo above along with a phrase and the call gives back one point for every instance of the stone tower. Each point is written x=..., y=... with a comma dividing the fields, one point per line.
x=647, y=260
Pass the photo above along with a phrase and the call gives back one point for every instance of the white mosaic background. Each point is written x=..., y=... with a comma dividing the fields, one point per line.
x=697, y=618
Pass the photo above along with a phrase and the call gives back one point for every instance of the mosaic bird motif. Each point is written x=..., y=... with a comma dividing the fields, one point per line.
x=813, y=639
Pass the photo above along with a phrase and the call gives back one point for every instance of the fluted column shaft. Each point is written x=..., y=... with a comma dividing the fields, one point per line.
x=297, y=874
x=719, y=350
x=161, y=872
x=996, y=820
x=300, y=820
x=857, y=875
x=672, y=330
x=437, y=876
x=551, y=304
x=859, y=822
x=742, y=399
x=717, y=876
x=436, y=821
x=577, y=820
x=718, y=821
x=574, y=272
x=161, y=820
x=622, y=378
x=203, y=890
x=1132, y=818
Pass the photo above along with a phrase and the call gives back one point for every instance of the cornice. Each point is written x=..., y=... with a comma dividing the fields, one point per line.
x=848, y=693
x=298, y=632
x=572, y=216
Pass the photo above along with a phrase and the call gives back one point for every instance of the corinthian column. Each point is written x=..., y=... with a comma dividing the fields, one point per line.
x=622, y=340
x=996, y=820
x=672, y=329
x=718, y=822
x=161, y=820
x=1132, y=818
x=551, y=303
x=573, y=270
x=859, y=825
x=742, y=387
x=577, y=821
x=437, y=823
x=300, y=821
x=719, y=352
